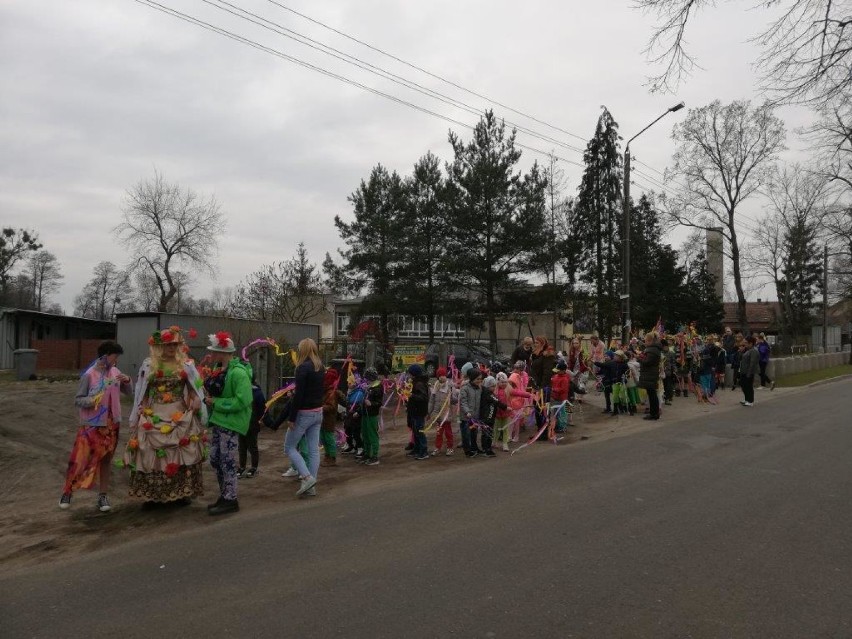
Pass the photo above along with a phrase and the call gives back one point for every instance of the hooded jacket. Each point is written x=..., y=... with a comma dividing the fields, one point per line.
x=469, y=400
x=232, y=409
x=649, y=367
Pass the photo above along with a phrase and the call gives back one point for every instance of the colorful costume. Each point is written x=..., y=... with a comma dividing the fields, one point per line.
x=167, y=441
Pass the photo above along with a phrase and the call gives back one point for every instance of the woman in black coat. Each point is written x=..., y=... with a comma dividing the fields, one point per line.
x=649, y=373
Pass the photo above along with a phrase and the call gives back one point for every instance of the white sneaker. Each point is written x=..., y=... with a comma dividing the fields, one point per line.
x=436, y=452
x=505, y=448
x=307, y=483
x=291, y=472
x=103, y=504
x=449, y=452
x=748, y=403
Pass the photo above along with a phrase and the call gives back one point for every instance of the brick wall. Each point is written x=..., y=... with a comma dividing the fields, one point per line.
x=65, y=354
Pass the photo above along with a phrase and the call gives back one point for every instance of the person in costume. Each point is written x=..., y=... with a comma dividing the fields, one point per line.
x=489, y=405
x=669, y=369
x=167, y=436
x=519, y=400
x=560, y=389
x=503, y=421
x=374, y=395
x=305, y=416
x=443, y=398
x=97, y=399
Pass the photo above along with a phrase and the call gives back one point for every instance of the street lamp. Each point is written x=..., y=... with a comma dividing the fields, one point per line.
x=625, y=330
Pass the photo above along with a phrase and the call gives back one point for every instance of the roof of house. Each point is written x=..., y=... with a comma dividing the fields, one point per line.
x=759, y=315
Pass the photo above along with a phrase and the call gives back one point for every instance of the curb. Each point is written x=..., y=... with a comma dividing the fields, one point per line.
x=830, y=380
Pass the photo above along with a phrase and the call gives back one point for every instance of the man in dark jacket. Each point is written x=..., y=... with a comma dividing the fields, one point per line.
x=649, y=374
x=749, y=367
x=416, y=409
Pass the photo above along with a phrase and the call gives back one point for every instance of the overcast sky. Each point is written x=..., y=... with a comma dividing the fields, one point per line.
x=96, y=94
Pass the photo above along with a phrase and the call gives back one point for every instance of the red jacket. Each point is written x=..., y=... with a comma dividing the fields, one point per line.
x=560, y=385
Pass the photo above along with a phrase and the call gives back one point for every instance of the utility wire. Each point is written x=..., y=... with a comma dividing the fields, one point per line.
x=427, y=72
x=370, y=68
x=256, y=45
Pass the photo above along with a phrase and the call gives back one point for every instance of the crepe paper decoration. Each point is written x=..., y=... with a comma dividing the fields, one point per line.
x=168, y=398
x=161, y=388
x=176, y=416
x=159, y=373
x=147, y=425
x=165, y=429
x=184, y=441
x=148, y=411
x=267, y=341
x=172, y=469
x=204, y=438
x=133, y=443
x=156, y=419
x=204, y=454
x=198, y=383
x=161, y=453
x=194, y=438
x=183, y=375
x=192, y=333
x=119, y=463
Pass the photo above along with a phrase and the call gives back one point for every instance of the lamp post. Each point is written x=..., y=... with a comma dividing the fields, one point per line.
x=626, y=325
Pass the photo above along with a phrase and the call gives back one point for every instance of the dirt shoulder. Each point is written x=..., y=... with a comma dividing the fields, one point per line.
x=38, y=426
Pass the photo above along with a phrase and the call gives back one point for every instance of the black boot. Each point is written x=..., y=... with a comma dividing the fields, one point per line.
x=216, y=503
x=225, y=506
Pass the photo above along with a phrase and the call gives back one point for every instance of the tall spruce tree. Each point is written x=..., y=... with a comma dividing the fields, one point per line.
x=496, y=214
x=374, y=245
x=705, y=305
x=803, y=273
x=424, y=276
x=597, y=221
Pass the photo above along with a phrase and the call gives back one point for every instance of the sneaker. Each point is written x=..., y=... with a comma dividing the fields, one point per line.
x=240, y=473
x=290, y=472
x=307, y=483
x=436, y=452
x=421, y=457
x=359, y=452
x=373, y=461
x=748, y=403
x=103, y=503
x=490, y=453
x=505, y=448
x=348, y=449
x=772, y=385
x=449, y=452
x=310, y=492
x=65, y=501
x=251, y=472
x=469, y=454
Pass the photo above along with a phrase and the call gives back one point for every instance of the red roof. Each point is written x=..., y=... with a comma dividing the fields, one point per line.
x=761, y=316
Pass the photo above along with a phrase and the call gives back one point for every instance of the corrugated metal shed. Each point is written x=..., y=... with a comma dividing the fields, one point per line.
x=134, y=329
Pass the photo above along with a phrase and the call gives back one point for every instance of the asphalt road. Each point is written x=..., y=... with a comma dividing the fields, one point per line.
x=737, y=525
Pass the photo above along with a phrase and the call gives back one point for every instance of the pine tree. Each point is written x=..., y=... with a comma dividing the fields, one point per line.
x=496, y=215
x=374, y=244
x=424, y=276
x=803, y=273
x=597, y=221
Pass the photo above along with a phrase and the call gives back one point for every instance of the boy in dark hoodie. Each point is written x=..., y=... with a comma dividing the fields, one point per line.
x=370, y=420
x=416, y=410
x=488, y=407
x=248, y=442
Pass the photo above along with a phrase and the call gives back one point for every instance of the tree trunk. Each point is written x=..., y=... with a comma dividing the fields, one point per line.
x=738, y=281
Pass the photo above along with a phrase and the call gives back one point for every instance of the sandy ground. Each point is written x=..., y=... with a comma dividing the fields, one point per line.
x=37, y=428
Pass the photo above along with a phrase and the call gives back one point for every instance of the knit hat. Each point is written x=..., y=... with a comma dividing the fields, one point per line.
x=221, y=342
x=415, y=370
x=561, y=366
x=520, y=364
x=473, y=373
x=330, y=379
x=619, y=353
x=371, y=374
x=441, y=372
x=489, y=382
x=466, y=368
x=502, y=377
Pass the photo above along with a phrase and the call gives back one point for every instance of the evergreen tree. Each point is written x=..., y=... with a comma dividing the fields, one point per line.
x=496, y=214
x=424, y=277
x=704, y=305
x=374, y=245
x=597, y=221
x=803, y=273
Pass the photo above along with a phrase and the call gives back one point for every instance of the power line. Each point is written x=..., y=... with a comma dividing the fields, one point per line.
x=280, y=54
x=370, y=68
x=427, y=72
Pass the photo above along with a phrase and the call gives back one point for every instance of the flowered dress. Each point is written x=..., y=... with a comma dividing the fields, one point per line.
x=168, y=442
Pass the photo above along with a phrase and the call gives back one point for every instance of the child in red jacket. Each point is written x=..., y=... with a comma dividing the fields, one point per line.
x=560, y=387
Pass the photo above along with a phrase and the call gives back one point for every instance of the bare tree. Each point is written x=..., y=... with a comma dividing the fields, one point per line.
x=725, y=155
x=166, y=228
x=798, y=202
x=105, y=293
x=289, y=291
x=14, y=246
x=45, y=277
x=805, y=55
